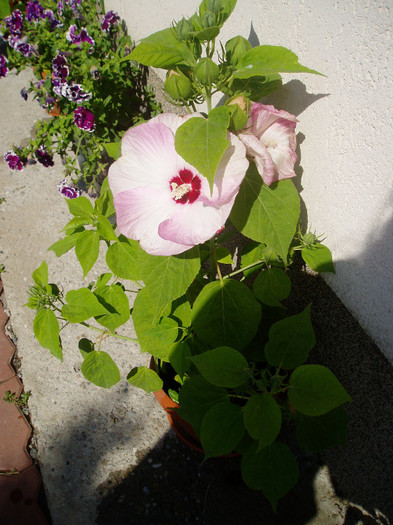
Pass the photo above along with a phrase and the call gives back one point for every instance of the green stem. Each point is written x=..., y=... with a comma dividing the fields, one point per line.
x=104, y=332
x=242, y=269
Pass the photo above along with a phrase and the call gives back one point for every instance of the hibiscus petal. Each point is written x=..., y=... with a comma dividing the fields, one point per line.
x=259, y=153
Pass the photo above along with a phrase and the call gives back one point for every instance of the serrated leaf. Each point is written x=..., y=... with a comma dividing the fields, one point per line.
x=80, y=207
x=46, y=330
x=223, y=366
x=81, y=305
x=87, y=249
x=221, y=430
x=315, y=390
x=99, y=368
x=40, y=274
x=267, y=60
x=202, y=142
x=122, y=259
x=262, y=419
x=267, y=214
x=117, y=305
x=145, y=378
x=318, y=257
x=273, y=470
x=272, y=286
x=290, y=341
x=226, y=313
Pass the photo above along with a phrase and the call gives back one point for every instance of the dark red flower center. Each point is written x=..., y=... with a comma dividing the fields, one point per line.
x=185, y=187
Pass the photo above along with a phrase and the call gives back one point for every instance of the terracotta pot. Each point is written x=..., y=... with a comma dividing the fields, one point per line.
x=55, y=111
x=182, y=428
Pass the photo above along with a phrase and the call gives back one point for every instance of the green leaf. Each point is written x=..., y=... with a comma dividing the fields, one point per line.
x=113, y=149
x=123, y=258
x=196, y=397
x=221, y=430
x=202, y=142
x=221, y=8
x=256, y=87
x=40, y=274
x=46, y=330
x=318, y=433
x=226, y=313
x=81, y=305
x=315, y=390
x=85, y=346
x=170, y=276
x=222, y=366
x=267, y=214
x=105, y=228
x=179, y=356
x=80, y=207
x=116, y=302
x=104, y=204
x=273, y=470
x=5, y=9
x=318, y=257
x=290, y=341
x=267, y=60
x=162, y=49
x=99, y=368
x=145, y=378
x=76, y=223
x=223, y=255
x=152, y=337
x=262, y=419
x=87, y=249
x=62, y=246
x=272, y=286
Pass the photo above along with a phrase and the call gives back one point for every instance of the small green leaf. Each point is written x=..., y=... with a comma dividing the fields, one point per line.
x=222, y=366
x=223, y=255
x=221, y=430
x=290, y=341
x=202, y=142
x=262, y=419
x=145, y=378
x=80, y=207
x=320, y=432
x=113, y=149
x=318, y=257
x=81, y=305
x=272, y=286
x=267, y=60
x=40, y=275
x=273, y=470
x=105, y=228
x=5, y=9
x=315, y=390
x=179, y=356
x=87, y=249
x=100, y=369
x=122, y=259
x=85, y=346
x=46, y=330
x=62, y=246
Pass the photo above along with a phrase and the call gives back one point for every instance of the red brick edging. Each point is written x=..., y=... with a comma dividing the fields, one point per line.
x=20, y=481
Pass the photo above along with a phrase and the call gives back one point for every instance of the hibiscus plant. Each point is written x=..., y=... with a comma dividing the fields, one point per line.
x=200, y=218
x=77, y=52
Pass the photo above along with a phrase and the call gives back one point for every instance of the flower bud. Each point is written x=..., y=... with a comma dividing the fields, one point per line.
x=177, y=85
x=239, y=117
x=183, y=29
x=236, y=48
x=208, y=19
x=206, y=71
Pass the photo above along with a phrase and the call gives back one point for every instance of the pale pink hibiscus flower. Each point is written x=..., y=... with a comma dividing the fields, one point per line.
x=270, y=141
x=162, y=201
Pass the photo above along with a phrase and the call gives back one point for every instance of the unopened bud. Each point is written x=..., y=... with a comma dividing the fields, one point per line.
x=239, y=117
x=206, y=71
x=236, y=48
x=183, y=29
x=177, y=85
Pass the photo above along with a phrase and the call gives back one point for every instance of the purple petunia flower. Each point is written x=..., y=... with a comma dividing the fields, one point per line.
x=14, y=161
x=49, y=102
x=83, y=36
x=49, y=15
x=67, y=191
x=72, y=92
x=60, y=7
x=14, y=23
x=34, y=11
x=84, y=119
x=24, y=93
x=21, y=45
x=44, y=157
x=109, y=21
x=3, y=66
x=60, y=69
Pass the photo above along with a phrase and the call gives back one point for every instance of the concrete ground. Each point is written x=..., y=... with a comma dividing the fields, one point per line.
x=84, y=434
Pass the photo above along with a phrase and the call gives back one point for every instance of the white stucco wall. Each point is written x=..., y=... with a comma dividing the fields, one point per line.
x=345, y=128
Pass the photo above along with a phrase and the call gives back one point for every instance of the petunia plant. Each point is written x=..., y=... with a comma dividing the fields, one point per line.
x=77, y=52
x=200, y=212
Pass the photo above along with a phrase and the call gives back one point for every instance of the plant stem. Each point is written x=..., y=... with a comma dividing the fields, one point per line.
x=242, y=269
x=104, y=332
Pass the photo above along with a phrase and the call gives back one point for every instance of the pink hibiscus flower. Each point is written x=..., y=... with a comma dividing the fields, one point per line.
x=270, y=140
x=162, y=201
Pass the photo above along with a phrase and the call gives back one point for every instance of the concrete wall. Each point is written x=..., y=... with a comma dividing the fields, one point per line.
x=345, y=128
